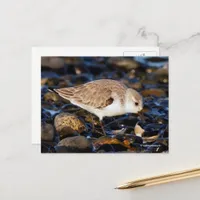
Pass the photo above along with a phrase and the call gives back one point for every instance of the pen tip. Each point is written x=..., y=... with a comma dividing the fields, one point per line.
x=121, y=187
x=129, y=186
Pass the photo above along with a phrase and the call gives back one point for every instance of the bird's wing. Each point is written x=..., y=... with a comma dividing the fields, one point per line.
x=65, y=93
x=98, y=94
x=95, y=95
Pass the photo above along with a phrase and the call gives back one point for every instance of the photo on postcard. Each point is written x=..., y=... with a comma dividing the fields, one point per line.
x=104, y=104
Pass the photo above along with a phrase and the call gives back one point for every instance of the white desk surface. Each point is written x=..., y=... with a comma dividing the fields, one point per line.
x=172, y=25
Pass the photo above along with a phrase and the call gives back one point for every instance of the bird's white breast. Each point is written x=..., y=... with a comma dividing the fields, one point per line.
x=115, y=109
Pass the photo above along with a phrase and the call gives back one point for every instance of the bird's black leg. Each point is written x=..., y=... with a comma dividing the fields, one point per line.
x=101, y=123
x=141, y=116
x=93, y=129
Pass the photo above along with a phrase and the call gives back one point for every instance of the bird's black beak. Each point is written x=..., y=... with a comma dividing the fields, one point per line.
x=141, y=115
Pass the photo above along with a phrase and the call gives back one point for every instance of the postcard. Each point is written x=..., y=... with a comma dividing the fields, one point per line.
x=103, y=104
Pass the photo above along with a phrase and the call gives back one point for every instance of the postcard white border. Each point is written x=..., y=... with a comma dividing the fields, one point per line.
x=38, y=52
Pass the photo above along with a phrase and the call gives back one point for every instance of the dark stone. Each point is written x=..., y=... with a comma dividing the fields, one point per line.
x=68, y=124
x=47, y=132
x=47, y=147
x=67, y=131
x=75, y=144
x=112, y=148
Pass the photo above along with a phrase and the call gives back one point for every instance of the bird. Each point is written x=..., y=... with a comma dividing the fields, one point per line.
x=103, y=98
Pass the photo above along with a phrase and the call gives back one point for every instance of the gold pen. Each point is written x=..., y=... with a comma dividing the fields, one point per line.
x=166, y=178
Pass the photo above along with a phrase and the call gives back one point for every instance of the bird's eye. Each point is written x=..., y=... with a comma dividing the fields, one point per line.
x=136, y=103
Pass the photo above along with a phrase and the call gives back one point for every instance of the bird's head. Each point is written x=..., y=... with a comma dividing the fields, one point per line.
x=134, y=101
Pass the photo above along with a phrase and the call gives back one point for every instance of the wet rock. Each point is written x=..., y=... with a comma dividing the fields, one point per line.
x=91, y=119
x=47, y=147
x=52, y=62
x=136, y=86
x=51, y=82
x=43, y=81
x=125, y=63
x=106, y=143
x=67, y=124
x=47, y=132
x=157, y=59
x=152, y=62
x=55, y=82
x=61, y=149
x=149, y=84
x=73, y=60
x=75, y=144
x=67, y=131
x=70, y=108
x=51, y=96
x=161, y=75
x=153, y=92
x=64, y=83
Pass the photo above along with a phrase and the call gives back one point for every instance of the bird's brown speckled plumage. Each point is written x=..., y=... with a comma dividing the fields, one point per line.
x=98, y=94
